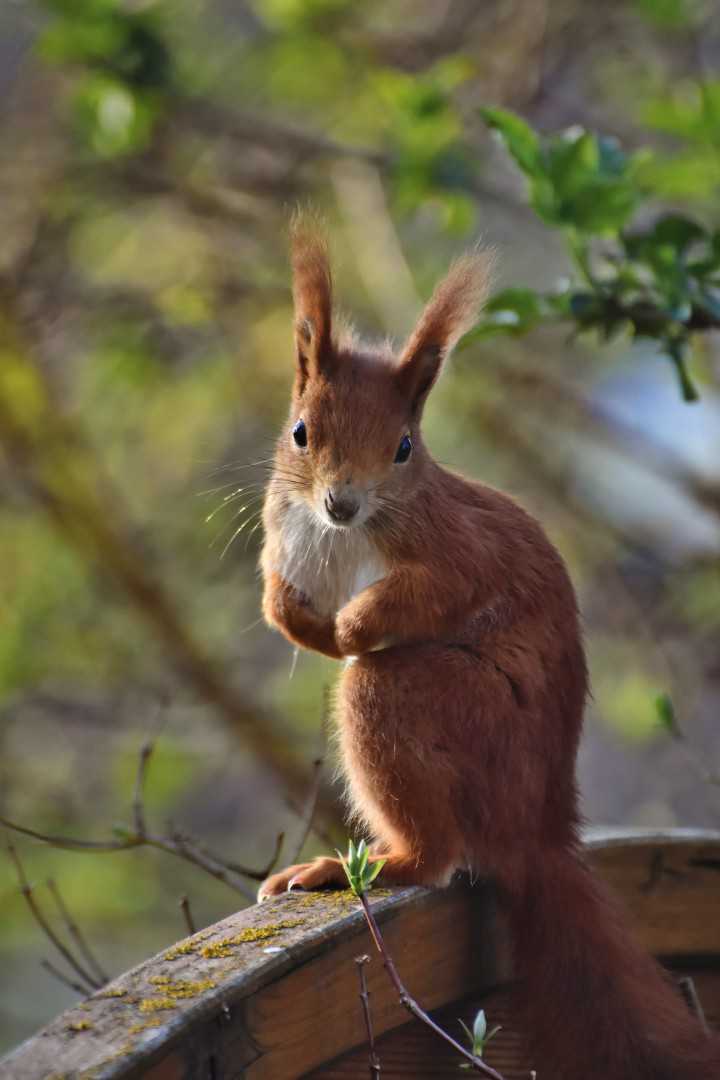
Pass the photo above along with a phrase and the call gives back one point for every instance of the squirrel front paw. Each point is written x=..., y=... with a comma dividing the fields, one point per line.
x=352, y=635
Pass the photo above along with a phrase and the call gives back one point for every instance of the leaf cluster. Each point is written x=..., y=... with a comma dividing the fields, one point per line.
x=124, y=68
x=361, y=873
x=659, y=281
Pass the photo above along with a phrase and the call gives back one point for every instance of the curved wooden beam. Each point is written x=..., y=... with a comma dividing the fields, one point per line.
x=271, y=993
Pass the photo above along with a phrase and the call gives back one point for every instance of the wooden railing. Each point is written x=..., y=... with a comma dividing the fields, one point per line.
x=271, y=993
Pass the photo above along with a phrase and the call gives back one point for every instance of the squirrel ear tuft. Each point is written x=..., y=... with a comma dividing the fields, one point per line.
x=312, y=295
x=451, y=311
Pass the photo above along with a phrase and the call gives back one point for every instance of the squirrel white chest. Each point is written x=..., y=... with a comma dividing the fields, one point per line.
x=327, y=565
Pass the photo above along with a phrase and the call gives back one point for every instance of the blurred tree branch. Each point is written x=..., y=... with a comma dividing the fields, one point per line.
x=88, y=982
x=176, y=843
x=49, y=451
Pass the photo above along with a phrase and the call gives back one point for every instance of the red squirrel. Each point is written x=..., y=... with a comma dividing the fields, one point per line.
x=460, y=704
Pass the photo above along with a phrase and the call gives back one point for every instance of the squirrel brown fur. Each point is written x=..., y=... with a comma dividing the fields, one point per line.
x=460, y=705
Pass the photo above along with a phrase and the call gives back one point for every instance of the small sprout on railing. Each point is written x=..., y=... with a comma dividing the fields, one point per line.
x=360, y=874
x=479, y=1037
x=359, y=870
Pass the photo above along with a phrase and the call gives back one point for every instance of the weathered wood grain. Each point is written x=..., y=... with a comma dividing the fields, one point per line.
x=271, y=992
x=412, y=1050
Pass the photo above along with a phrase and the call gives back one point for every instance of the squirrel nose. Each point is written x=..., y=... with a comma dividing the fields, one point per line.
x=341, y=507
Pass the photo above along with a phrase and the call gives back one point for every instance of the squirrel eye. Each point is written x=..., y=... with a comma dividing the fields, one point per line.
x=299, y=433
x=403, y=450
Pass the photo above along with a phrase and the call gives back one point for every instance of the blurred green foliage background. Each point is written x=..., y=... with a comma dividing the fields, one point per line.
x=151, y=152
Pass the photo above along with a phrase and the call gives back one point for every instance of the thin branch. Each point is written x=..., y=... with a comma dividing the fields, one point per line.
x=179, y=846
x=409, y=1002
x=689, y=992
x=308, y=812
x=70, y=843
x=75, y=933
x=79, y=499
x=272, y=862
x=183, y=848
x=176, y=843
x=57, y=974
x=187, y=914
x=38, y=916
x=240, y=868
x=374, y=1060
x=138, y=805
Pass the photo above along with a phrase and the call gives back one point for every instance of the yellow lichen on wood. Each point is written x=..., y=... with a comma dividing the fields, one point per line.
x=336, y=897
x=183, y=949
x=79, y=1025
x=156, y=1004
x=181, y=988
x=217, y=949
x=137, y=1029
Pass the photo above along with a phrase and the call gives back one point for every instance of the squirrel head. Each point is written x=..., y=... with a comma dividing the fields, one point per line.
x=352, y=447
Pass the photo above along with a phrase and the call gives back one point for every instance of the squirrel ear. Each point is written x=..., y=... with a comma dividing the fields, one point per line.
x=450, y=313
x=312, y=294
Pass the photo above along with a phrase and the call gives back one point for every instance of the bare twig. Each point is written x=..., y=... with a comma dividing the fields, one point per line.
x=138, y=806
x=308, y=814
x=70, y=843
x=26, y=889
x=184, y=848
x=374, y=1060
x=176, y=843
x=409, y=1002
x=240, y=868
x=689, y=992
x=75, y=932
x=57, y=974
x=187, y=914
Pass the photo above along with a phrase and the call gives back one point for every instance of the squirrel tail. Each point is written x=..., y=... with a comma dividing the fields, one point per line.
x=597, y=1007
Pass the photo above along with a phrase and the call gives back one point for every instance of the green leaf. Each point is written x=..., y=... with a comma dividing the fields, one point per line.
x=113, y=119
x=479, y=1027
x=467, y=1031
x=121, y=832
x=677, y=351
x=348, y=874
x=669, y=239
x=572, y=159
x=520, y=139
x=612, y=159
x=511, y=311
x=667, y=718
x=678, y=231
x=373, y=871
x=362, y=857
